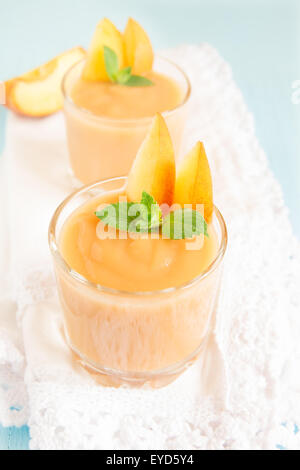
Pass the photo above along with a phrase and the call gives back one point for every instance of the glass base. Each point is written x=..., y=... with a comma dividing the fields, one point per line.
x=127, y=379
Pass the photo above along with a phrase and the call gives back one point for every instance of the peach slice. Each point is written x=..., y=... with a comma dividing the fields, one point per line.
x=193, y=183
x=106, y=34
x=138, y=48
x=38, y=93
x=153, y=169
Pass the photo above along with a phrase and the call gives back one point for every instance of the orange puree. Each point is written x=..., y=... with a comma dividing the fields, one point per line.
x=117, y=101
x=130, y=264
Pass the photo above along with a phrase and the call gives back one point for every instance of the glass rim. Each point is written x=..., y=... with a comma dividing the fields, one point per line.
x=77, y=277
x=141, y=120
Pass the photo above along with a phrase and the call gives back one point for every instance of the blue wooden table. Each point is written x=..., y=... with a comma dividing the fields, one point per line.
x=259, y=38
x=14, y=438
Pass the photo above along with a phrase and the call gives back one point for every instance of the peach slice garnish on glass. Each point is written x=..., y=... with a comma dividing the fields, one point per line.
x=38, y=93
x=153, y=169
x=138, y=48
x=106, y=34
x=193, y=182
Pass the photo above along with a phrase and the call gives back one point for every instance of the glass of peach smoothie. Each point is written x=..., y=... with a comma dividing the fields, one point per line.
x=138, y=309
x=106, y=122
x=140, y=328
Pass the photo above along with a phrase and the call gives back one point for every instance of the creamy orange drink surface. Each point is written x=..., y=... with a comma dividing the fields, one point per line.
x=141, y=302
x=139, y=264
x=108, y=108
x=118, y=102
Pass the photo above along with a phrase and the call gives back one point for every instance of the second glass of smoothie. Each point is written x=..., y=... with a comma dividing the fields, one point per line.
x=106, y=123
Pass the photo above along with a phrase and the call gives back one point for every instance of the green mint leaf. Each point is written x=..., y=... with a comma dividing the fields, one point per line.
x=184, y=223
x=115, y=215
x=132, y=216
x=137, y=80
x=140, y=222
x=154, y=215
x=111, y=63
x=123, y=75
x=125, y=216
x=147, y=199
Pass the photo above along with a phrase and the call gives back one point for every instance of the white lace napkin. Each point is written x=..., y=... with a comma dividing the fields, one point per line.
x=258, y=322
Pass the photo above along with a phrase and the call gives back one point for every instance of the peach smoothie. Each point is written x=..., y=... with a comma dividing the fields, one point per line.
x=118, y=102
x=155, y=264
x=138, y=307
x=107, y=118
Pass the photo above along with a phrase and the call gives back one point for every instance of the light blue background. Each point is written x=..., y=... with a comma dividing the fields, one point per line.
x=259, y=38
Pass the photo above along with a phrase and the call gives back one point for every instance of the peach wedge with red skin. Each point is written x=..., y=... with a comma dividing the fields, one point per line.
x=153, y=169
x=106, y=34
x=138, y=48
x=193, y=182
x=38, y=93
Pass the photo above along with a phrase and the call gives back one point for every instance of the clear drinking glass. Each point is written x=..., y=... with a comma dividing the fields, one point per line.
x=134, y=338
x=102, y=148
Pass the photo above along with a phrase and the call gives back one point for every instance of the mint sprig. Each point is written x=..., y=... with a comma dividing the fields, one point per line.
x=146, y=216
x=122, y=76
x=154, y=215
x=118, y=216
